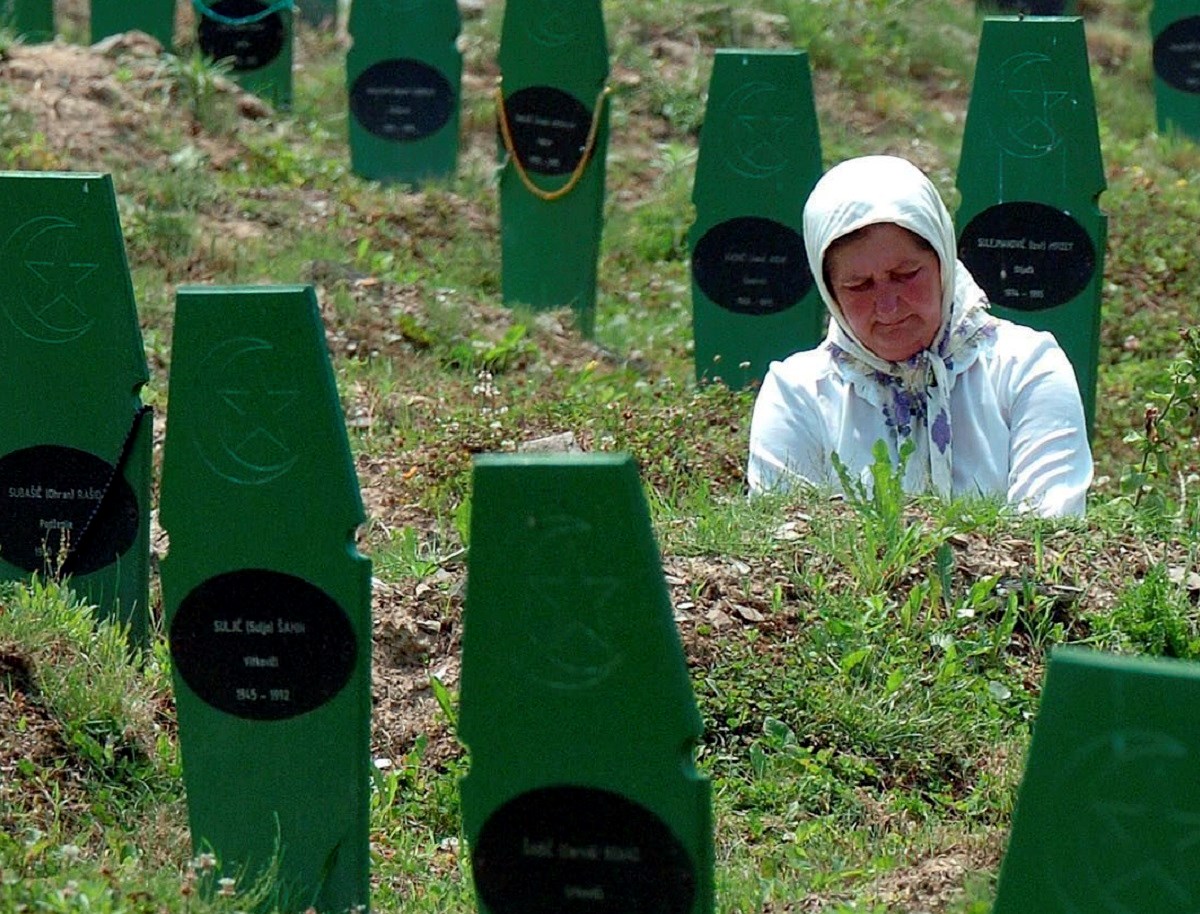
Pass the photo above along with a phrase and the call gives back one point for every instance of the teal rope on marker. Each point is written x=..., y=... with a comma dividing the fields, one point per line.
x=277, y=7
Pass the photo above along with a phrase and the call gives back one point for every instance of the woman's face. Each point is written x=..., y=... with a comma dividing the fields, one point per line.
x=888, y=283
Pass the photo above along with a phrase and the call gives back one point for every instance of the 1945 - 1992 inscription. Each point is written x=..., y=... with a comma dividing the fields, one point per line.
x=262, y=645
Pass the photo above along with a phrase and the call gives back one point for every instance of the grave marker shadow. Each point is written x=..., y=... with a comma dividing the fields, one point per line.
x=1175, y=30
x=267, y=601
x=256, y=36
x=552, y=109
x=1108, y=813
x=582, y=795
x=75, y=447
x=1030, y=175
x=753, y=296
x=404, y=78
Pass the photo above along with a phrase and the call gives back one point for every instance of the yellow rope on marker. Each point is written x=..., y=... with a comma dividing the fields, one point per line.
x=576, y=175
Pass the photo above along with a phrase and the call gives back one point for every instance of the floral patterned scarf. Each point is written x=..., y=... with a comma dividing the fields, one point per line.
x=914, y=395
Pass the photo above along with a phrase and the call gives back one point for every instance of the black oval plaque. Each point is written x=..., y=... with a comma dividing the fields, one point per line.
x=55, y=514
x=262, y=645
x=402, y=99
x=549, y=129
x=1028, y=256
x=1177, y=54
x=251, y=45
x=751, y=265
x=580, y=850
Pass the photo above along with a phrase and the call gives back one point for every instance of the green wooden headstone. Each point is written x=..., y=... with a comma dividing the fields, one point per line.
x=267, y=602
x=1107, y=819
x=577, y=708
x=75, y=443
x=1029, y=224
x=1175, y=30
x=553, y=118
x=404, y=80
x=154, y=17
x=33, y=20
x=1027, y=7
x=317, y=12
x=753, y=296
x=256, y=37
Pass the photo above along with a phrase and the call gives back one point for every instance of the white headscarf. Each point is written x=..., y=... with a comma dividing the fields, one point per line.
x=914, y=394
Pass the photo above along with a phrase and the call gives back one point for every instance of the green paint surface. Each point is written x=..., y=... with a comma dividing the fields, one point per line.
x=577, y=708
x=75, y=444
x=317, y=12
x=1108, y=814
x=1030, y=175
x=404, y=81
x=753, y=298
x=33, y=20
x=154, y=17
x=267, y=602
x=556, y=55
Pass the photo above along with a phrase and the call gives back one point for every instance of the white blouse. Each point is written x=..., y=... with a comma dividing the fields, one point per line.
x=1016, y=415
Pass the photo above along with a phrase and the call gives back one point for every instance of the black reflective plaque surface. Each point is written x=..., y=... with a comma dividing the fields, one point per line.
x=752, y=265
x=402, y=99
x=262, y=645
x=1028, y=256
x=251, y=45
x=580, y=850
x=549, y=129
x=55, y=512
x=1177, y=54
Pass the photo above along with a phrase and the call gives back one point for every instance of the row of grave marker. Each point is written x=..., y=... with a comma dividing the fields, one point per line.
x=1029, y=225
x=1032, y=233
x=576, y=702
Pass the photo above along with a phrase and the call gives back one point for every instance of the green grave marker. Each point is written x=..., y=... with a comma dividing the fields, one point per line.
x=1030, y=227
x=1175, y=29
x=256, y=36
x=1108, y=813
x=267, y=602
x=576, y=702
x=154, y=17
x=753, y=296
x=1027, y=7
x=75, y=446
x=33, y=20
x=317, y=12
x=552, y=110
x=404, y=74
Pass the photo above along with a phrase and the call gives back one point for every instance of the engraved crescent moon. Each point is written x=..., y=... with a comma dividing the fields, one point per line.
x=213, y=444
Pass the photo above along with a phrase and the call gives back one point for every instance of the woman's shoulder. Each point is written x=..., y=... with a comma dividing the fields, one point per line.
x=804, y=367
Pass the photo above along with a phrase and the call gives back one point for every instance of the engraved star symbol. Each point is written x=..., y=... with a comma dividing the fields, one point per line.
x=759, y=139
x=61, y=275
x=569, y=634
x=257, y=410
x=1034, y=107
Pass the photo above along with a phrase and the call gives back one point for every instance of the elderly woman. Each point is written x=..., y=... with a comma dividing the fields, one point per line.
x=990, y=407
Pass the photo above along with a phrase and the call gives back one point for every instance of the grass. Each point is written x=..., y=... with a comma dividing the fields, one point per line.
x=867, y=669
